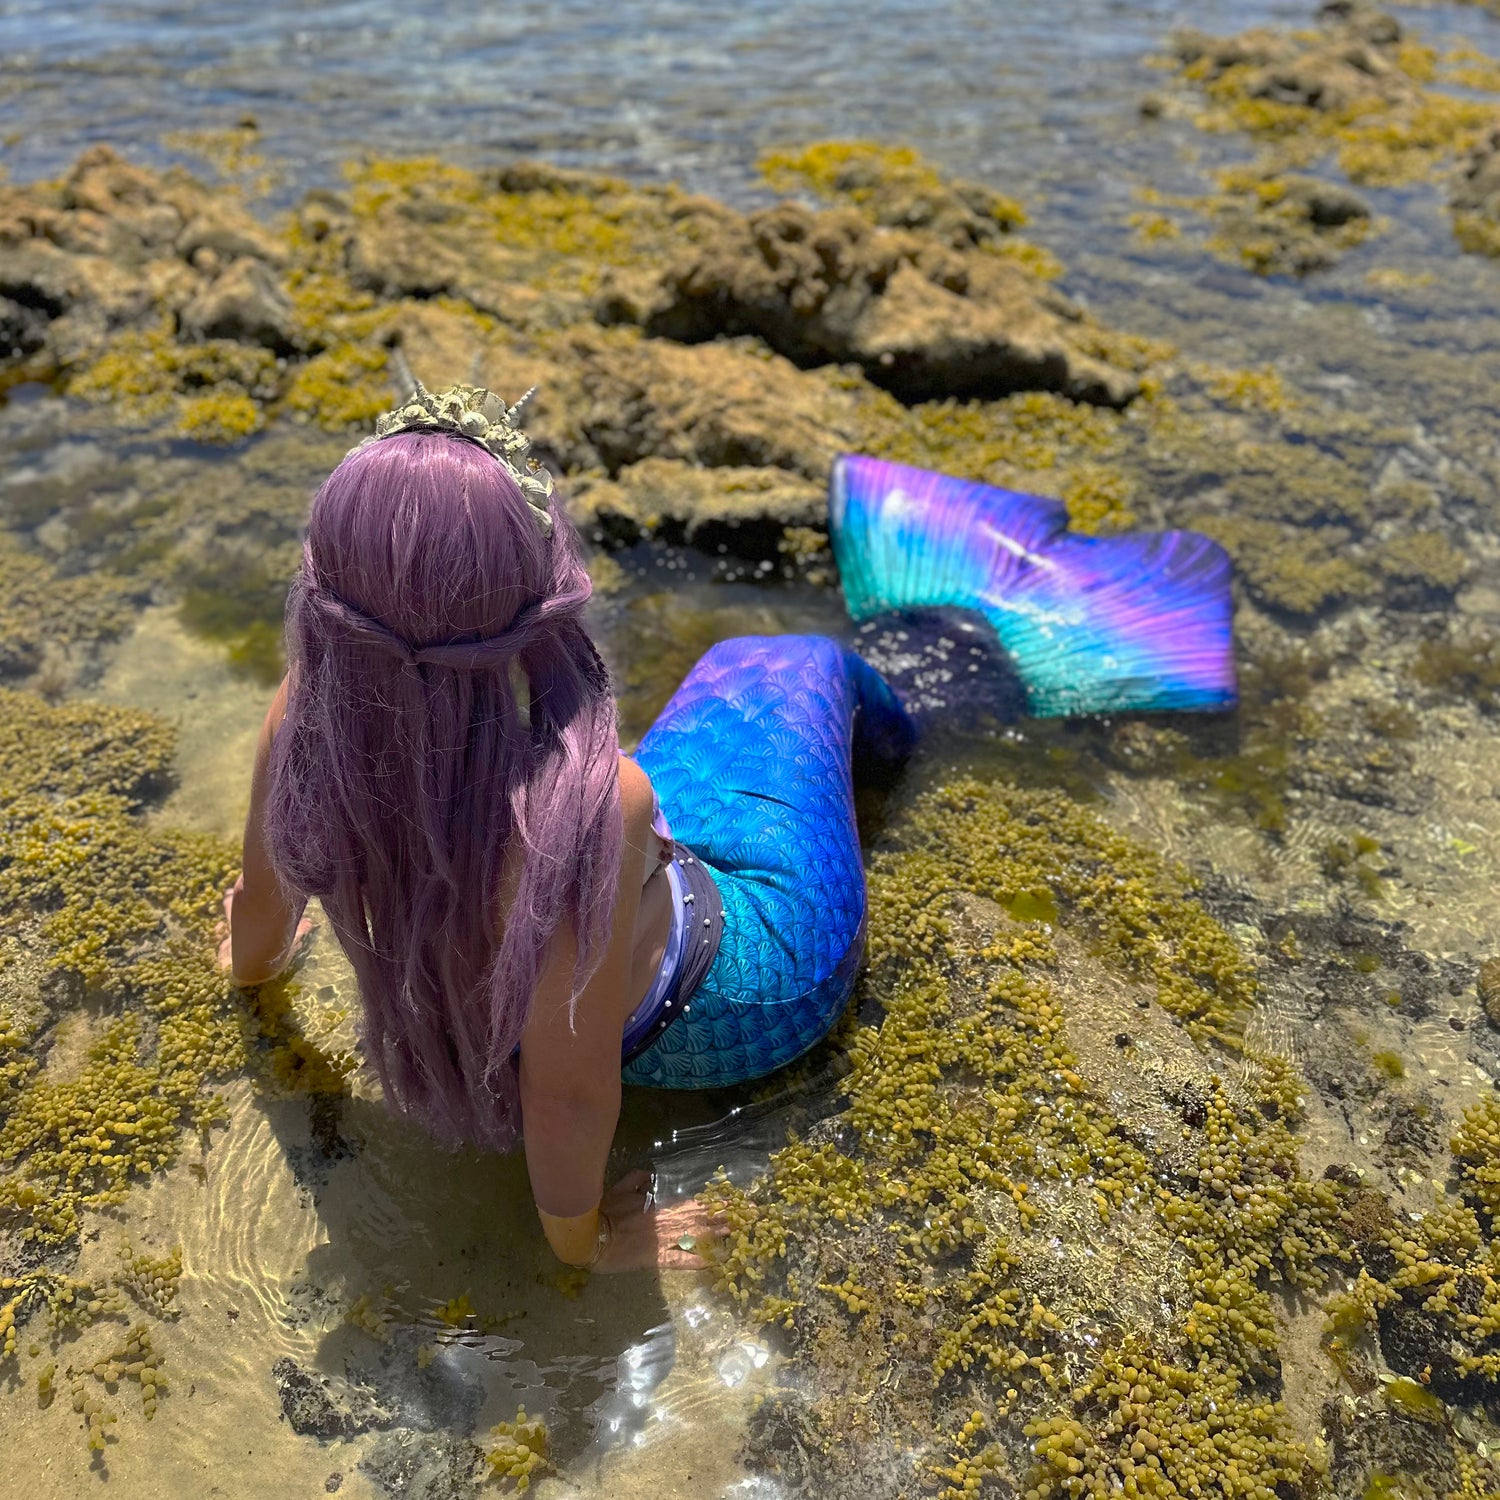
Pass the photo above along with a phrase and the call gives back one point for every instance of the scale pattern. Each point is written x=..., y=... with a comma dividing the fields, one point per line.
x=1133, y=623
x=752, y=761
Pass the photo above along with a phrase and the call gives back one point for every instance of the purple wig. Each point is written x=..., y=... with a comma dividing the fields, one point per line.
x=408, y=764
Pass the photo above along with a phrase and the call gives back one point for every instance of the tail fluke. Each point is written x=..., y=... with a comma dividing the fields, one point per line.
x=1140, y=622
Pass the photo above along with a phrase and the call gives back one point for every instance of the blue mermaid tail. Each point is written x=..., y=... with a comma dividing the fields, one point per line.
x=1140, y=622
x=753, y=762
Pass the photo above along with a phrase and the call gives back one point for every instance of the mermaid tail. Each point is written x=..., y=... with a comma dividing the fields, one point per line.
x=1140, y=622
x=753, y=762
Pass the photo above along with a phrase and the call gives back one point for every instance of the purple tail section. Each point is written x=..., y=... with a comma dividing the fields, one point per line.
x=1140, y=622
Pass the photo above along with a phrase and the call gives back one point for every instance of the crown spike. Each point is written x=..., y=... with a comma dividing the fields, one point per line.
x=406, y=383
x=479, y=416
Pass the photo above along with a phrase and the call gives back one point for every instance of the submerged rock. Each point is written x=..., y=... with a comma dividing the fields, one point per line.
x=423, y=1466
x=315, y=1407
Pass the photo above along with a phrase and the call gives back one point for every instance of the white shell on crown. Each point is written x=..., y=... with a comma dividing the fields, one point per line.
x=482, y=416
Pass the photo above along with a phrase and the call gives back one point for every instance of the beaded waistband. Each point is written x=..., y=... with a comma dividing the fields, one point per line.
x=692, y=945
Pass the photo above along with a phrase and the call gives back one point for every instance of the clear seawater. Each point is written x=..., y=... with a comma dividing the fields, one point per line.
x=646, y=1381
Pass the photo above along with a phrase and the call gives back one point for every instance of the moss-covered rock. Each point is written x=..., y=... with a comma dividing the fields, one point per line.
x=1357, y=89
x=744, y=511
x=918, y=317
x=896, y=187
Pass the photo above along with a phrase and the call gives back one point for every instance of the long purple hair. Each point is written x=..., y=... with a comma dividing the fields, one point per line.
x=410, y=761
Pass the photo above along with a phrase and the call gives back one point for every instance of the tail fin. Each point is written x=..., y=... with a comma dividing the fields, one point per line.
x=1140, y=622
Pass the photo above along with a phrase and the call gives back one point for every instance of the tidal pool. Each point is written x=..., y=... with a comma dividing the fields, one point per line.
x=1173, y=1058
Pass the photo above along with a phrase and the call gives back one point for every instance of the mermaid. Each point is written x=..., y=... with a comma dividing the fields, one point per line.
x=535, y=917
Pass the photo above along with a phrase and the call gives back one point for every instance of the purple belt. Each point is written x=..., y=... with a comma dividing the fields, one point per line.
x=692, y=943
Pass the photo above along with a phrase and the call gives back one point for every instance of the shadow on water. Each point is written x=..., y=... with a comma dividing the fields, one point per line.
x=434, y=1305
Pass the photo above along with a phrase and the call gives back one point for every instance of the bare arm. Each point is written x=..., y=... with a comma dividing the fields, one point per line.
x=570, y=1071
x=263, y=925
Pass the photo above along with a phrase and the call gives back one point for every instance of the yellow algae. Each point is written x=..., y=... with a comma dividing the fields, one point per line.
x=1152, y=228
x=552, y=222
x=374, y=1313
x=896, y=184
x=1261, y=390
x=1375, y=101
x=517, y=1449
x=223, y=418
x=128, y=912
x=344, y=387
x=456, y=1311
x=1098, y=501
x=968, y=1096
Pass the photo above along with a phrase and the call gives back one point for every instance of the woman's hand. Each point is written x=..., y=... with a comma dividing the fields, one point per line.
x=294, y=951
x=644, y=1236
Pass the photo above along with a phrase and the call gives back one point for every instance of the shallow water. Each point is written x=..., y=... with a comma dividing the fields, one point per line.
x=339, y=1241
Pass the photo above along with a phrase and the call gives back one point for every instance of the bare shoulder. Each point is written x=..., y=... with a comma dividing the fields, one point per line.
x=637, y=800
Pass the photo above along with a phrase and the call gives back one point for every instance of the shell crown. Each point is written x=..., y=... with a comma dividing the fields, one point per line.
x=482, y=417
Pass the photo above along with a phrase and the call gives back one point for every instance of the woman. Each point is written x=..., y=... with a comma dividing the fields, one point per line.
x=441, y=768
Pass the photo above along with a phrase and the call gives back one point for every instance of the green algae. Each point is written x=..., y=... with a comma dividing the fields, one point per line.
x=1463, y=663
x=100, y=907
x=1353, y=859
x=1384, y=108
x=240, y=605
x=967, y=1111
x=42, y=611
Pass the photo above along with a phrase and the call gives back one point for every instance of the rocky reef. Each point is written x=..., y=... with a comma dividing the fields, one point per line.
x=1086, y=1215
x=1359, y=95
x=698, y=369
x=1060, y=1214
